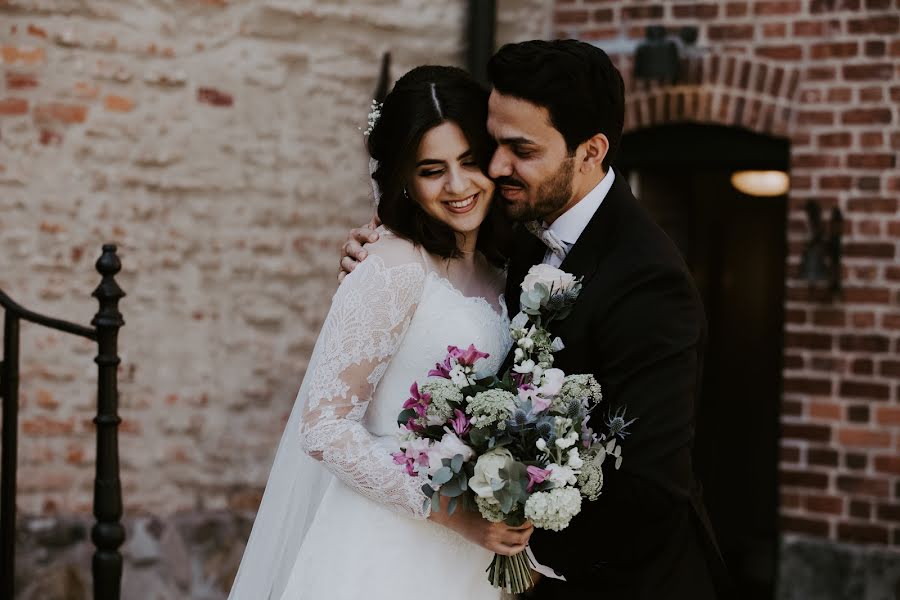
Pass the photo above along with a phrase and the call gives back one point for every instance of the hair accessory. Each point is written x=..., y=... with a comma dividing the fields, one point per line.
x=374, y=115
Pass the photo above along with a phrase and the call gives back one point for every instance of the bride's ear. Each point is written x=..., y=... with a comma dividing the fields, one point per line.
x=595, y=149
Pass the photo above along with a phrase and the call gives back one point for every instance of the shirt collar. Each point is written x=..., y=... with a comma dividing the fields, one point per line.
x=569, y=225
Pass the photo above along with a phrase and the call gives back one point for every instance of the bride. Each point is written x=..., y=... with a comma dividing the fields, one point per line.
x=339, y=520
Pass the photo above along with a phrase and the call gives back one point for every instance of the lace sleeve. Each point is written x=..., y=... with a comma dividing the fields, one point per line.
x=364, y=328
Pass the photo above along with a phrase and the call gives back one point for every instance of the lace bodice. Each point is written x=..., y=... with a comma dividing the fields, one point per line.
x=390, y=321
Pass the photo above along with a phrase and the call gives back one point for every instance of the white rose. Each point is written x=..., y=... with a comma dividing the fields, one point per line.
x=551, y=277
x=488, y=467
x=449, y=446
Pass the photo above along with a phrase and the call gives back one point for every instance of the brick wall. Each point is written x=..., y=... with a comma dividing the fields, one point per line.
x=217, y=143
x=826, y=74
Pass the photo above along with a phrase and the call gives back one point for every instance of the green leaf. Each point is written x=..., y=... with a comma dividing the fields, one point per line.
x=425, y=505
x=436, y=503
x=428, y=490
x=451, y=489
x=456, y=463
x=451, y=506
x=506, y=502
x=442, y=476
x=406, y=415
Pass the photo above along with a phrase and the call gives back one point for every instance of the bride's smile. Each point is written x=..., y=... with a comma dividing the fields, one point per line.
x=448, y=183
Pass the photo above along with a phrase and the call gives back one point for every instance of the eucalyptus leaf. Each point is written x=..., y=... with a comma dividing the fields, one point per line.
x=428, y=490
x=451, y=506
x=451, y=489
x=456, y=463
x=442, y=476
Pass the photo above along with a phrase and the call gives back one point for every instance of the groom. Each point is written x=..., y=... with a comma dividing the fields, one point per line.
x=556, y=112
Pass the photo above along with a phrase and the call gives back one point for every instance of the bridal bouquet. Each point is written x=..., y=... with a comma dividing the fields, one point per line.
x=516, y=445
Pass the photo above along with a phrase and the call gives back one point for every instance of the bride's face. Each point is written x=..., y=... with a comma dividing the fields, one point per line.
x=447, y=181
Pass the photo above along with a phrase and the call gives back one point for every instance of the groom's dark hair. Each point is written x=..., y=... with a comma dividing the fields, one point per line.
x=575, y=81
x=422, y=99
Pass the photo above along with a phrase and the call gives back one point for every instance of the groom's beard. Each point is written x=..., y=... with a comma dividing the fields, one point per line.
x=551, y=196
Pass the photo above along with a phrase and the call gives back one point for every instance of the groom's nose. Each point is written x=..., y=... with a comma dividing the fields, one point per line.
x=500, y=165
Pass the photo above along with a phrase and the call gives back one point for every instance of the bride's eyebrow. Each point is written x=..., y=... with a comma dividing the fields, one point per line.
x=435, y=161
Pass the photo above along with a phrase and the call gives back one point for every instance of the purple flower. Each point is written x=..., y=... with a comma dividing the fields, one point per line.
x=536, y=475
x=460, y=422
x=468, y=356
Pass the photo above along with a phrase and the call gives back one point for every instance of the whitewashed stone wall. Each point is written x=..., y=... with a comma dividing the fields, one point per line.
x=216, y=142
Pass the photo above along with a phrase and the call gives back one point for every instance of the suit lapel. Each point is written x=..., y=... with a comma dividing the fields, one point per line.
x=583, y=259
x=600, y=234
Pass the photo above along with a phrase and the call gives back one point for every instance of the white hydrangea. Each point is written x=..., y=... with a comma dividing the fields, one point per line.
x=554, y=508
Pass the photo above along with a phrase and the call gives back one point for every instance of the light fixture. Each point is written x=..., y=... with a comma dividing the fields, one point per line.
x=656, y=58
x=820, y=264
x=761, y=183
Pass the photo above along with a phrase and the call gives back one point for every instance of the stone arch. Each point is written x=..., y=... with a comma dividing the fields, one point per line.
x=730, y=90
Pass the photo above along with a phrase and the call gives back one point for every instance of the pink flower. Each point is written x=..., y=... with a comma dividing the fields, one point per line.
x=441, y=369
x=401, y=459
x=417, y=401
x=468, y=356
x=460, y=422
x=536, y=475
x=540, y=404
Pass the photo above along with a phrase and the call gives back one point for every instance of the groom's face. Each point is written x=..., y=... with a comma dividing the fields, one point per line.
x=532, y=167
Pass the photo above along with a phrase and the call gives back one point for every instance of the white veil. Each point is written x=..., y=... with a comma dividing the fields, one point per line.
x=293, y=493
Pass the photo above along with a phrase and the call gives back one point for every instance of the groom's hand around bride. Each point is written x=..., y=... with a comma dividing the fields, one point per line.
x=499, y=538
x=352, y=252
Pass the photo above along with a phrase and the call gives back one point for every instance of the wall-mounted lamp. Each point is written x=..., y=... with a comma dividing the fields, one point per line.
x=761, y=183
x=657, y=57
x=820, y=264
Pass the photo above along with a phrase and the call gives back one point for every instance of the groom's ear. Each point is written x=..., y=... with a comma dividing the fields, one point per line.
x=595, y=149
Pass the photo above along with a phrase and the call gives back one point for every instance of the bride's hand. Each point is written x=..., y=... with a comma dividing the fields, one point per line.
x=499, y=538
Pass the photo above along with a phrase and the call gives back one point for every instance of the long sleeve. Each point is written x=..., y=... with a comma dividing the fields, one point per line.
x=369, y=316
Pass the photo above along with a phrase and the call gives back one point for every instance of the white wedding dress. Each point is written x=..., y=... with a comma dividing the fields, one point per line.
x=351, y=524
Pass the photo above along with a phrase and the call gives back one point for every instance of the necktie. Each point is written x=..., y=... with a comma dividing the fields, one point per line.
x=550, y=239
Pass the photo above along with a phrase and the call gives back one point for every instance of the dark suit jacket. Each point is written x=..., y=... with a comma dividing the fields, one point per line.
x=638, y=326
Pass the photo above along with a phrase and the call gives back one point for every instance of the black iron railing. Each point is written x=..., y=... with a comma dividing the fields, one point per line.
x=108, y=534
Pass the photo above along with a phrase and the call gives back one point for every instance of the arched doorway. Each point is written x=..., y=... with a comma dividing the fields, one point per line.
x=735, y=246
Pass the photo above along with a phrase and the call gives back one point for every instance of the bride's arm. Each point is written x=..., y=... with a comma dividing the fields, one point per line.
x=364, y=328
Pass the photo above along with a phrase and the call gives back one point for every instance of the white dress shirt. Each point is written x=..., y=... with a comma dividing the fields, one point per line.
x=568, y=227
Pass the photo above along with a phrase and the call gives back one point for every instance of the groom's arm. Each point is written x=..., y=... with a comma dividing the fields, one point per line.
x=650, y=340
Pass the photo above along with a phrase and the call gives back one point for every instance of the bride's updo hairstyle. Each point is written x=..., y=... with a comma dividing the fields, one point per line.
x=422, y=99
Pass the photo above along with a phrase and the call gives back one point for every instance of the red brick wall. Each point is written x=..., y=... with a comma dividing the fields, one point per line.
x=826, y=74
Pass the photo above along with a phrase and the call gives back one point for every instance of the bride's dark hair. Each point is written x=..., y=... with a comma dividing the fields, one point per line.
x=422, y=99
